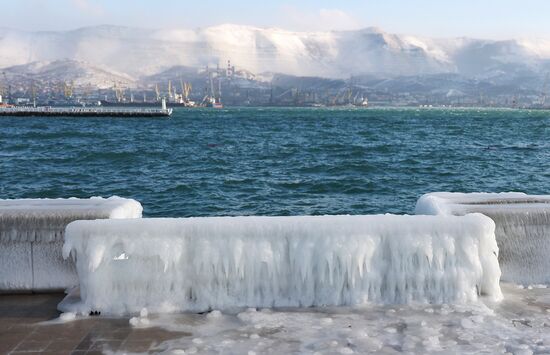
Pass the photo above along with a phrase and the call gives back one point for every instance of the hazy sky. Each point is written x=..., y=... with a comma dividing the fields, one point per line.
x=437, y=18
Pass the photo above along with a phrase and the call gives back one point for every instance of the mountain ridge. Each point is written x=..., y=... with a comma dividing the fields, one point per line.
x=140, y=52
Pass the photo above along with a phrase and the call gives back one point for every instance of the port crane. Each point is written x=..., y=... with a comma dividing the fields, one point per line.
x=291, y=91
x=119, y=93
x=342, y=97
x=186, y=89
x=211, y=99
x=544, y=92
x=2, y=87
x=33, y=93
x=68, y=89
x=157, y=92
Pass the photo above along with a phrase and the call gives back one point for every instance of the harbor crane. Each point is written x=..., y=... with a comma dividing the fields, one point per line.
x=185, y=89
x=119, y=93
x=157, y=92
x=544, y=92
x=68, y=89
x=2, y=85
x=170, y=94
x=33, y=93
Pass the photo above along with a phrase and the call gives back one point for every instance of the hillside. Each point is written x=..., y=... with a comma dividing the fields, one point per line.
x=336, y=54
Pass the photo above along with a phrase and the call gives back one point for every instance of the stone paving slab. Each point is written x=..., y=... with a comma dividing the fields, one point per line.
x=22, y=330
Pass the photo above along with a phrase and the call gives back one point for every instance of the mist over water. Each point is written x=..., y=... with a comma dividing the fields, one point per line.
x=277, y=161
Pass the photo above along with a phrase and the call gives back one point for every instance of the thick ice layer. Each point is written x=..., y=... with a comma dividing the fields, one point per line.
x=31, y=238
x=522, y=228
x=15, y=266
x=197, y=264
x=44, y=220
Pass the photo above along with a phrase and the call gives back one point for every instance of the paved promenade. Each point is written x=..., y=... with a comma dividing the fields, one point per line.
x=22, y=330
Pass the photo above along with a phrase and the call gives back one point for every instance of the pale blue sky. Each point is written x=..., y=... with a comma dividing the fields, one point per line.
x=436, y=18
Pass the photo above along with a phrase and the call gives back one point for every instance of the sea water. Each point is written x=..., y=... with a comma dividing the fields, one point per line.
x=277, y=161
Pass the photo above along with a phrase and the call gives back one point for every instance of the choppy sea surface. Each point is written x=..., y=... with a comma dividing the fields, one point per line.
x=289, y=161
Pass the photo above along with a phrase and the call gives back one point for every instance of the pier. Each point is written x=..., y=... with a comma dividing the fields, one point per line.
x=85, y=111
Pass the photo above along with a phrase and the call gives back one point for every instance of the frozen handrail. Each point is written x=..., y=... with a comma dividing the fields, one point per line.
x=522, y=228
x=196, y=264
x=31, y=238
x=44, y=220
x=463, y=203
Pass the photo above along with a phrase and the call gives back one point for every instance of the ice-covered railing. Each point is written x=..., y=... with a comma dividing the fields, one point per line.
x=522, y=228
x=31, y=238
x=44, y=220
x=197, y=264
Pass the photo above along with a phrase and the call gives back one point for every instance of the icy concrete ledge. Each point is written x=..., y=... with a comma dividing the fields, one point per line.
x=31, y=239
x=197, y=264
x=522, y=228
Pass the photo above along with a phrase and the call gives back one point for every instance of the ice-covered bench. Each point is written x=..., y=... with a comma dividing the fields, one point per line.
x=31, y=238
x=522, y=228
x=196, y=264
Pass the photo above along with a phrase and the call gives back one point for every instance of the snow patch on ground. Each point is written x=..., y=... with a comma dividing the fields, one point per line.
x=517, y=325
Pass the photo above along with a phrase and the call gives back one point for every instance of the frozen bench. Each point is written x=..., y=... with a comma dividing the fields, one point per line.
x=522, y=228
x=197, y=264
x=31, y=239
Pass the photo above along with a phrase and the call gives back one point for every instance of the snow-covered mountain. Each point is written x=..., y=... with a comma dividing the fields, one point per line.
x=80, y=74
x=337, y=54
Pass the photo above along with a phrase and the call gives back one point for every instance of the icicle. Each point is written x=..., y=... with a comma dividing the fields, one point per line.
x=220, y=263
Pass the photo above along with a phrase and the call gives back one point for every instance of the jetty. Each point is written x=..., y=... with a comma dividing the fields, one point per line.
x=76, y=111
x=84, y=111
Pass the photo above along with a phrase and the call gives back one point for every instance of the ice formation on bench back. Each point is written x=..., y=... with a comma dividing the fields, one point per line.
x=31, y=238
x=522, y=228
x=196, y=264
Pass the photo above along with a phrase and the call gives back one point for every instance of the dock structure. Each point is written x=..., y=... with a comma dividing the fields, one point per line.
x=84, y=111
